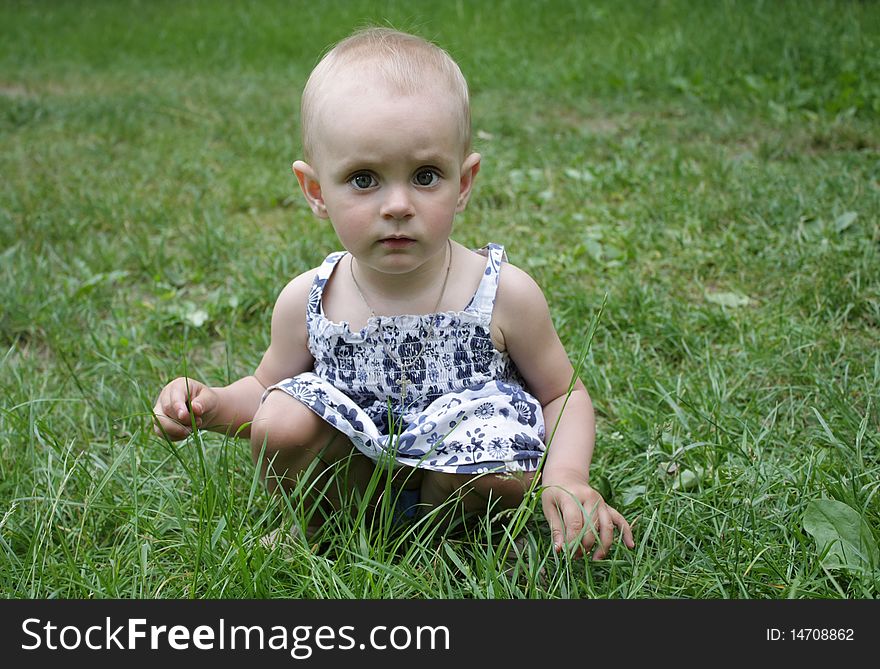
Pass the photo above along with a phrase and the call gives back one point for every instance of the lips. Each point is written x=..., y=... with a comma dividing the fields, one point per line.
x=397, y=242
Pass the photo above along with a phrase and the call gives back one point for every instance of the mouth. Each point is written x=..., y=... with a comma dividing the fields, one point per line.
x=397, y=242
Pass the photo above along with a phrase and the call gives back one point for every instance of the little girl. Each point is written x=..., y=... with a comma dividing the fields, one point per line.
x=409, y=348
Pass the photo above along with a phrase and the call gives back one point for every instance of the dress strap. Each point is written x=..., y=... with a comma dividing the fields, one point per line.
x=315, y=306
x=483, y=301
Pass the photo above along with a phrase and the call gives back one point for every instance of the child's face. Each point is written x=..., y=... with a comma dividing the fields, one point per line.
x=389, y=171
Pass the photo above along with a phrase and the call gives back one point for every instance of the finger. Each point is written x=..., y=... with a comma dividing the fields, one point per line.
x=554, y=519
x=197, y=402
x=158, y=428
x=625, y=529
x=182, y=397
x=591, y=512
x=175, y=402
x=160, y=418
x=606, y=533
x=199, y=406
x=578, y=532
x=169, y=428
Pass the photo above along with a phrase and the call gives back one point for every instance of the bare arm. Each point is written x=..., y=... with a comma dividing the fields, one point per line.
x=522, y=315
x=568, y=500
x=185, y=403
x=234, y=407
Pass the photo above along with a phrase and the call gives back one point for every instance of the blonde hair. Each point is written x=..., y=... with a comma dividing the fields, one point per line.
x=406, y=62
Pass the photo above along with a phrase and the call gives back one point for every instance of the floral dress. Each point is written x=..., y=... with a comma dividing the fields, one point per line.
x=428, y=391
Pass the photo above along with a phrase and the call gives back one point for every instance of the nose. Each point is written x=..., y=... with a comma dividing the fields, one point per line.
x=397, y=204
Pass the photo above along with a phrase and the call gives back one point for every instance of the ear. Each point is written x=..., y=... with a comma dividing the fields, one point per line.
x=469, y=169
x=311, y=187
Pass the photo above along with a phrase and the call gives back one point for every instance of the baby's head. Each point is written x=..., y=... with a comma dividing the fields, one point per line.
x=405, y=63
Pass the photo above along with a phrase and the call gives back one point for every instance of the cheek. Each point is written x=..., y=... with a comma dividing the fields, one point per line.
x=444, y=208
x=347, y=209
x=350, y=220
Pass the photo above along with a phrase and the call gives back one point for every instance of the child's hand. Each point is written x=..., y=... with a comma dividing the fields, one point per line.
x=566, y=498
x=180, y=403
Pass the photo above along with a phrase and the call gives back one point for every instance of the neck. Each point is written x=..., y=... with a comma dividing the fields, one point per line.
x=419, y=291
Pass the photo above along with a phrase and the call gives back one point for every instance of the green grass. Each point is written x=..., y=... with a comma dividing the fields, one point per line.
x=713, y=168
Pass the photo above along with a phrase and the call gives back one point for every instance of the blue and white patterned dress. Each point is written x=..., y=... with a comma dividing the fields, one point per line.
x=428, y=391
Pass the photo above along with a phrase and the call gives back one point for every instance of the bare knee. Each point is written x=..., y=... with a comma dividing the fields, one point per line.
x=283, y=424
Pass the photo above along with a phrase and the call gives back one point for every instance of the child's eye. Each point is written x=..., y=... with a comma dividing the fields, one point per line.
x=426, y=177
x=362, y=181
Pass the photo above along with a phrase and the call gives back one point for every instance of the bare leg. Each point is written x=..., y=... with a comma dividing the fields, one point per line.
x=287, y=438
x=475, y=492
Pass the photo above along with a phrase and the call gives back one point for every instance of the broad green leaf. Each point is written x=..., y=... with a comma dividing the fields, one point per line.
x=579, y=175
x=843, y=533
x=603, y=486
x=729, y=299
x=197, y=317
x=688, y=479
x=633, y=493
x=845, y=220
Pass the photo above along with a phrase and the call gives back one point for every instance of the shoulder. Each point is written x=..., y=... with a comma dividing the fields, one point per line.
x=288, y=353
x=518, y=290
x=513, y=283
x=301, y=286
x=293, y=298
x=521, y=311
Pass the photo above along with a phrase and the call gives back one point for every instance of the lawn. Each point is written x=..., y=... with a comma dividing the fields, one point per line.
x=707, y=171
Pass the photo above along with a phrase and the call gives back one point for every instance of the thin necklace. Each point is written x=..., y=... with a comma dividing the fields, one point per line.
x=405, y=363
x=442, y=289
